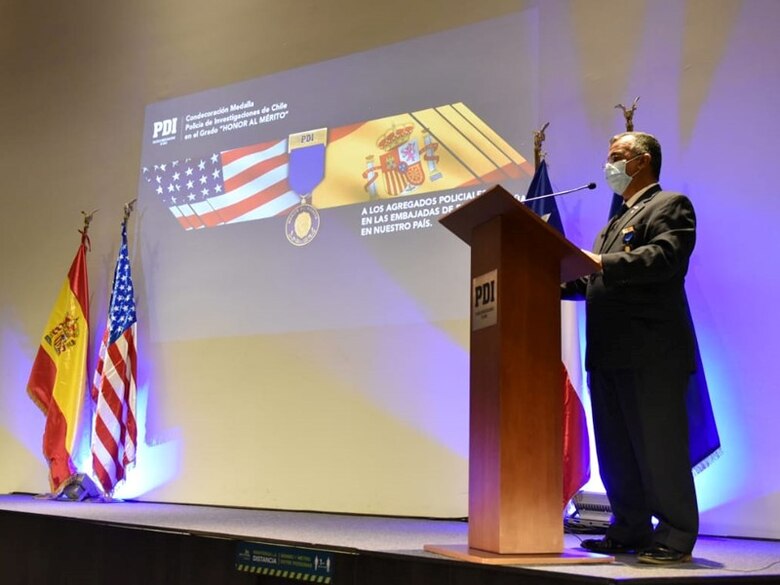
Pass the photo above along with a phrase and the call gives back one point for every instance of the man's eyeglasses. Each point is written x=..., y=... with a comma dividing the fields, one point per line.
x=612, y=159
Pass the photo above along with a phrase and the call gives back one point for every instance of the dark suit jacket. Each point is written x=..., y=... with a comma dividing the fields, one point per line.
x=636, y=307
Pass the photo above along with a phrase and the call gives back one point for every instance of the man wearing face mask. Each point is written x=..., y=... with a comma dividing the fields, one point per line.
x=639, y=356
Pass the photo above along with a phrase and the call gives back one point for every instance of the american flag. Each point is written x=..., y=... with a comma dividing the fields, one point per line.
x=241, y=184
x=114, y=432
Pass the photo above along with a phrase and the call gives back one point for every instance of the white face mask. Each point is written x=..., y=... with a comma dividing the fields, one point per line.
x=616, y=176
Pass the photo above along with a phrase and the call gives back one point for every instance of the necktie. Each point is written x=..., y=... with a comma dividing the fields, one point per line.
x=623, y=208
x=612, y=223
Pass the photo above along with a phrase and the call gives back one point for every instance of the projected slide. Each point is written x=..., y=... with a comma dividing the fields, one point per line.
x=309, y=199
x=421, y=152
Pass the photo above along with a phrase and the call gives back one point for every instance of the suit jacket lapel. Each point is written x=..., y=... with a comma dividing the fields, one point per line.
x=628, y=217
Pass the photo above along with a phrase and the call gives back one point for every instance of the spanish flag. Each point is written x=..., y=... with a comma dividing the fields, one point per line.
x=58, y=378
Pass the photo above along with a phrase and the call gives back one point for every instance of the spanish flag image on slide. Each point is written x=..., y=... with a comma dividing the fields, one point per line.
x=436, y=149
x=58, y=378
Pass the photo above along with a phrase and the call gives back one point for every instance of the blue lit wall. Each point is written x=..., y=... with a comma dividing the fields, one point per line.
x=710, y=99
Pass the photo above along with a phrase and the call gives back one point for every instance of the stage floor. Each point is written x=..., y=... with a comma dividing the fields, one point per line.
x=714, y=557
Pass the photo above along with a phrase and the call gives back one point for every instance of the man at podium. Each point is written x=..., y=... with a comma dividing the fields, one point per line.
x=640, y=353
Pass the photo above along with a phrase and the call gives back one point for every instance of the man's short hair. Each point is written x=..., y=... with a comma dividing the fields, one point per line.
x=645, y=144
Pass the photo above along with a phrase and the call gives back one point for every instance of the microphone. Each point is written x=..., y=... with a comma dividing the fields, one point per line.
x=566, y=192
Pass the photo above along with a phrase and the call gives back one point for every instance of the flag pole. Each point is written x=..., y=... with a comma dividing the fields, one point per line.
x=628, y=114
x=539, y=139
x=574, y=426
x=87, y=220
x=114, y=433
x=128, y=210
x=84, y=231
x=704, y=438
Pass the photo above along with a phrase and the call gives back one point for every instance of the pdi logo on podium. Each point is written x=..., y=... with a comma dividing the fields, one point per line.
x=484, y=300
x=163, y=131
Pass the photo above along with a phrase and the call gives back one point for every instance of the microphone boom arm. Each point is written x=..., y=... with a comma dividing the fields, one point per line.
x=566, y=192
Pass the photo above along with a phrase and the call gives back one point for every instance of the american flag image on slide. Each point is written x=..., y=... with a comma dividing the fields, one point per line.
x=240, y=184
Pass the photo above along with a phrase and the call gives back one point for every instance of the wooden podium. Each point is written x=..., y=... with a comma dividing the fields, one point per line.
x=516, y=383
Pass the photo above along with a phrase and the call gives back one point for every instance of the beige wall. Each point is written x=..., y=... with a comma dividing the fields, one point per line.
x=77, y=78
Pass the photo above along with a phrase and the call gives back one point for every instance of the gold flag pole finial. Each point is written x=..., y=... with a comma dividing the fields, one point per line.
x=128, y=210
x=628, y=114
x=539, y=138
x=87, y=220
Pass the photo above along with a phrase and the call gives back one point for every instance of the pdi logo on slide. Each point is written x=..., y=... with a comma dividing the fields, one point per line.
x=163, y=131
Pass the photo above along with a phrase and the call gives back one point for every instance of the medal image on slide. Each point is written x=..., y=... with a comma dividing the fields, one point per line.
x=306, y=167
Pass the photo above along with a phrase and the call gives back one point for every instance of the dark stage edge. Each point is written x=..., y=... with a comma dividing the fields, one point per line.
x=52, y=542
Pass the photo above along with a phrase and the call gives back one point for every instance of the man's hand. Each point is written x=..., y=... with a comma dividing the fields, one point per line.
x=595, y=257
